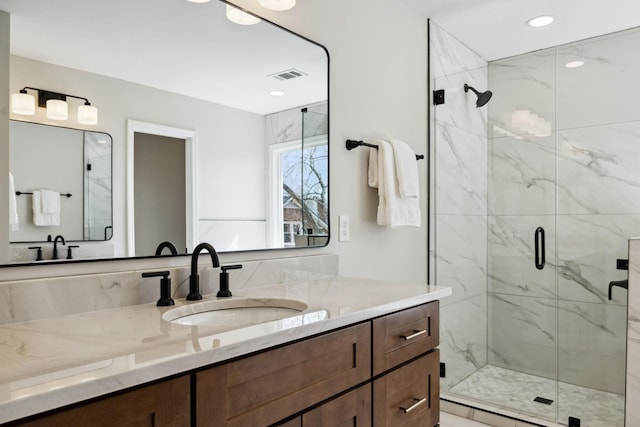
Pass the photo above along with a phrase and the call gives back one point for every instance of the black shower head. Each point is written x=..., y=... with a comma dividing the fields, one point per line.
x=483, y=97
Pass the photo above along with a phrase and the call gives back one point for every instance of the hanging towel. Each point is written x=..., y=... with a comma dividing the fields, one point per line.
x=41, y=218
x=13, y=205
x=406, y=168
x=50, y=201
x=393, y=209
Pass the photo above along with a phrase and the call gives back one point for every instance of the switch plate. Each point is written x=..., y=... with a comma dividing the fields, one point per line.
x=344, y=224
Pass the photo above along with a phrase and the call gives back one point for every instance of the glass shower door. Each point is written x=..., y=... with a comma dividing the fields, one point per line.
x=598, y=211
x=522, y=290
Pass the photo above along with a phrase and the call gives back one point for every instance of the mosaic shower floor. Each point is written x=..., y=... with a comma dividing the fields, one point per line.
x=516, y=391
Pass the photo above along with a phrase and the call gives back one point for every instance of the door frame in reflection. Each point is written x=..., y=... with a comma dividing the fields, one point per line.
x=190, y=138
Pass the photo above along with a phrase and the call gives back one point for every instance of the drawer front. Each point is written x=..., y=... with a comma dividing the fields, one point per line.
x=404, y=335
x=410, y=395
x=263, y=389
x=163, y=404
x=352, y=409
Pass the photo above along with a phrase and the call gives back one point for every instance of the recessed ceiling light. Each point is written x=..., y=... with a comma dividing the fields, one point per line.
x=199, y=1
x=540, y=21
x=276, y=93
x=574, y=64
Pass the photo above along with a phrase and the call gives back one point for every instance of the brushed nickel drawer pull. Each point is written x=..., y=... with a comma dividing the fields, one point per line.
x=413, y=335
x=414, y=406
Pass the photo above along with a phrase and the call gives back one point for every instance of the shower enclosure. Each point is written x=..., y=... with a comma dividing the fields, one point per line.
x=532, y=199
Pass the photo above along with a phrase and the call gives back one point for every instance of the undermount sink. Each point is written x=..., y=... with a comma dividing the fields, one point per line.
x=234, y=313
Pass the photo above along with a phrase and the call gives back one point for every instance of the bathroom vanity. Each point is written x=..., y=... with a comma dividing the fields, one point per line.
x=362, y=352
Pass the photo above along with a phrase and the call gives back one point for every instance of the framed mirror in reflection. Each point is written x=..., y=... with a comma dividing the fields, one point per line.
x=219, y=131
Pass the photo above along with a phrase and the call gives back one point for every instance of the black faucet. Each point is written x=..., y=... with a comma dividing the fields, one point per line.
x=55, y=245
x=194, y=279
x=172, y=248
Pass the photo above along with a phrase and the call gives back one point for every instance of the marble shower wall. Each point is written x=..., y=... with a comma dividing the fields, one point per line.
x=563, y=154
x=458, y=216
x=633, y=336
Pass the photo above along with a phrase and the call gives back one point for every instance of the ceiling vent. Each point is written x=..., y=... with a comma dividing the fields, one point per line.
x=289, y=74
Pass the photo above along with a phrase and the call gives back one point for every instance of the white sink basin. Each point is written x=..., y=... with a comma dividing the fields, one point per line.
x=234, y=312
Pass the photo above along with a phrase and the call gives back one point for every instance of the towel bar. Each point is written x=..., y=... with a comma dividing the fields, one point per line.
x=351, y=144
x=19, y=193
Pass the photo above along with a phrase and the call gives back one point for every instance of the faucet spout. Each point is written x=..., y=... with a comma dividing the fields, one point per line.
x=194, y=278
x=55, y=245
x=172, y=248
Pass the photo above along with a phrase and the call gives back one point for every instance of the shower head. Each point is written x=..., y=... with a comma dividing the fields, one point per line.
x=483, y=97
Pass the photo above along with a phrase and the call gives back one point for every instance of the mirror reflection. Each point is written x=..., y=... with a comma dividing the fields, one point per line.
x=220, y=131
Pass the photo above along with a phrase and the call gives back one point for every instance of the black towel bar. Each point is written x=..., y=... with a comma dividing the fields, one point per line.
x=19, y=193
x=352, y=143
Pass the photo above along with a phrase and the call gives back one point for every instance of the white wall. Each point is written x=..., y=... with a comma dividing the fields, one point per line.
x=378, y=81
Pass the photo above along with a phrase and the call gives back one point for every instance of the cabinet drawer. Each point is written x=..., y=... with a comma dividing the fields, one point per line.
x=352, y=409
x=163, y=404
x=410, y=395
x=404, y=335
x=263, y=389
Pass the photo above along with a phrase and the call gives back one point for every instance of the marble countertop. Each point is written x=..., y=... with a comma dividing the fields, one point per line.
x=55, y=362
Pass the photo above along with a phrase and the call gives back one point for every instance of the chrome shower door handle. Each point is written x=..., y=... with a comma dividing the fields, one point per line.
x=538, y=238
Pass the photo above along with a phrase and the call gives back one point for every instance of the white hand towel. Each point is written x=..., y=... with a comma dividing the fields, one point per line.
x=13, y=205
x=406, y=168
x=393, y=209
x=372, y=174
x=40, y=218
x=50, y=201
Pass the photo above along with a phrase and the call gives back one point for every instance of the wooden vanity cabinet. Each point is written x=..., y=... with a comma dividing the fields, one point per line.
x=352, y=409
x=262, y=389
x=406, y=368
x=409, y=395
x=382, y=373
x=165, y=404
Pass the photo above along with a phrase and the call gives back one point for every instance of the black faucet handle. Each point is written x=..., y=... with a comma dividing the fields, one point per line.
x=224, y=291
x=224, y=268
x=165, y=287
x=70, y=250
x=38, y=253
x=164, y=274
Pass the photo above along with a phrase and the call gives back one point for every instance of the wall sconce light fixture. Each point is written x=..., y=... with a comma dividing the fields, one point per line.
x=277, y=4
x=240, y=17
x=55, y=103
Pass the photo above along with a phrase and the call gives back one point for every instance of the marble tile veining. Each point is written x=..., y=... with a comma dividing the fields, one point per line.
x=522, y=334
x=463, y=338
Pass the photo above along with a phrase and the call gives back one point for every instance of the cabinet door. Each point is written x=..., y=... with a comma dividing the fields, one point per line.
x=352, y=409
x=401, y=336
x=409, y=395
x=163, y=404
x=263, y=389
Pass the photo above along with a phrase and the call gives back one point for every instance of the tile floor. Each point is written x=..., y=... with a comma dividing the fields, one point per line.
x=450, y=420
x=515, y=390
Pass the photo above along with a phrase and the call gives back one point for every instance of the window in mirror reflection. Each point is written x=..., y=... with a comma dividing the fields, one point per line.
x=301, y=184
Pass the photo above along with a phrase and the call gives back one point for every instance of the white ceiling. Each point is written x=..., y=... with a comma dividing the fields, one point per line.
x=175, y=45
x=496, y=29
x=158, y=42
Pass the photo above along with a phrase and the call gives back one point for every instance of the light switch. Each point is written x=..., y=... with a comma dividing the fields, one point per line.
x=344, y=224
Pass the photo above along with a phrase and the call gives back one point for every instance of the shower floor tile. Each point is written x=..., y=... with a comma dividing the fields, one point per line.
x=517, y=391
